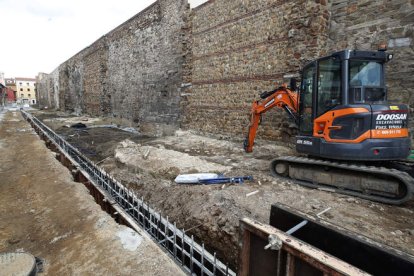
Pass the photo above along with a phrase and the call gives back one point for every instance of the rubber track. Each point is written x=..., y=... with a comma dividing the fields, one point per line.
x=403, y=177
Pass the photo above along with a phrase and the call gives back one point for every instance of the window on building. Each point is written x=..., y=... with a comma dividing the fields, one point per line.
x=28, y=89
x=22, y=95
x=27, y=83
x=20, y=83
x=21, y=89
x=28, y=95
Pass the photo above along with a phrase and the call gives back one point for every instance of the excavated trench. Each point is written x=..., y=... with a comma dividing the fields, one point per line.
x=127, y=209
x=99, y=144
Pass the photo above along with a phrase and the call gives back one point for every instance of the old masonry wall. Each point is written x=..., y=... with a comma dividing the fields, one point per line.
x=169, y=67
x=133, y=73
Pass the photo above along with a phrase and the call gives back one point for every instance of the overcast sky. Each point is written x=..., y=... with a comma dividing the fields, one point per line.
x=38, y=35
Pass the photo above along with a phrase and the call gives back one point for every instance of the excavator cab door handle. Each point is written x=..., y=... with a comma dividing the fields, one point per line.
x=334, y=127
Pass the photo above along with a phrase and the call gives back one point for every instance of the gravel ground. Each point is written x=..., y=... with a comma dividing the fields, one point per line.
x=44, y=212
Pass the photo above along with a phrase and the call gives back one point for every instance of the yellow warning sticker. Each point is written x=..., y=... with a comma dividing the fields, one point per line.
x=394, y=107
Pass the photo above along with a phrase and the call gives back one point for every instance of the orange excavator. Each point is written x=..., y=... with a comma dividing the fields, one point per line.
x=353, y=139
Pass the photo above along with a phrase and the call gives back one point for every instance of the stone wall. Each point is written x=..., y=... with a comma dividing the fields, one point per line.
x=145, y=60
x=97, y=100
x=167, y=68
x=242, y=48
x=47, y=89
x=134, y=72
x=53, y=89
x=71, y=90
x=43, y=98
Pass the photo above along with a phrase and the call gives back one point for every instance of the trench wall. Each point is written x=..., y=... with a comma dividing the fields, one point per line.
x=168, y=67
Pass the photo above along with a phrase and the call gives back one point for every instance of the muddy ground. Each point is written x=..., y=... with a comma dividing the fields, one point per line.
x=212, y=212
x=44, y=212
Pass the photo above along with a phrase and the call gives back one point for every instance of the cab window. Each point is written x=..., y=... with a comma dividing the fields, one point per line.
x=329, y=85
x=366, y=82
x=365, y=73
x=305, y=119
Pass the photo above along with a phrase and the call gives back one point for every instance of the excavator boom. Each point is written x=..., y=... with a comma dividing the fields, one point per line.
x=281, y=97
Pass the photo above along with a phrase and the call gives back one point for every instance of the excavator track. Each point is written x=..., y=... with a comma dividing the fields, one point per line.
x=378, y=184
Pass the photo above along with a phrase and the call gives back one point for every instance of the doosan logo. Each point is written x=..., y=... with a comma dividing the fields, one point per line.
x=390, y=117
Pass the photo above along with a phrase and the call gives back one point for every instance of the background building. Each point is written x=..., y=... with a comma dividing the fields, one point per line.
x=11, y=84
x=7, y=95
x=10, y=89
x=26, y=90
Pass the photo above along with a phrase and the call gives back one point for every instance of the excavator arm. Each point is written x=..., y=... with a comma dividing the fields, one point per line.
x=281, y=97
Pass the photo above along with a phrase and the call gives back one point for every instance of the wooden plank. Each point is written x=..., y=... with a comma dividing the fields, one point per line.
x=290, y=265
x=321, y=260
x=245, y=254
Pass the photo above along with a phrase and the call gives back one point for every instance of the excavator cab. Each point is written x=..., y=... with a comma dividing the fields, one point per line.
x=343, y=111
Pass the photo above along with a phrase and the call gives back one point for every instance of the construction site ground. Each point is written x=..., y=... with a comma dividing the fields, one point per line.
x=45, y=213
x=149, y=165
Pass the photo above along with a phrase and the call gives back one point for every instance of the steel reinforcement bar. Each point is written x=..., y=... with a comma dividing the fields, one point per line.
x=182, y=248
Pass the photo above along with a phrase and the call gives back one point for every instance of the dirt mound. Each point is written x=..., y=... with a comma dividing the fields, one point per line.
x=159, y=160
